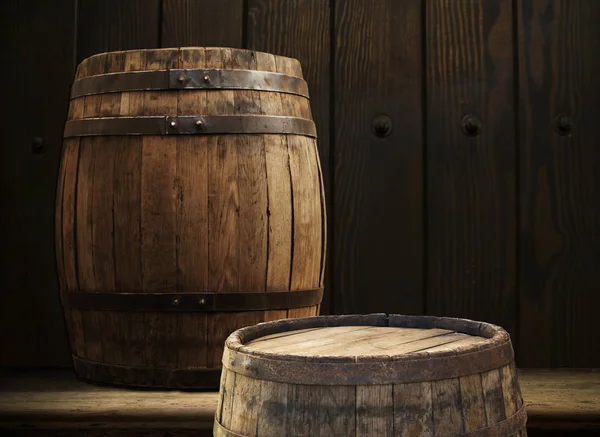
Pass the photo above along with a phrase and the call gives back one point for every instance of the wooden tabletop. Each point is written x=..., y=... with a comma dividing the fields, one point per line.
x=46, y=400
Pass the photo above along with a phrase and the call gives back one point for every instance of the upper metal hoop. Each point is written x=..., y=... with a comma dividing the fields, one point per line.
x=178, y=79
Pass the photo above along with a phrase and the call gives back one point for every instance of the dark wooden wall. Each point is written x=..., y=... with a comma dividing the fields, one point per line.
x=426, y=214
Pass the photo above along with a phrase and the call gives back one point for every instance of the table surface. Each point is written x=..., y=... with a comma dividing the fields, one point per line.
x=55, y=399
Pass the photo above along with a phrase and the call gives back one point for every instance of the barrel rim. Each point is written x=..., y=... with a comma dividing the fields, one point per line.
x=84, y=60
x=368, y=370
x=495, y=335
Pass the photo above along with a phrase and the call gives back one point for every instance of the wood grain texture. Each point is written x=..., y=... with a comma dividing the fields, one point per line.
x=441, y=407
x=301, y=30
x=560, y=187
x=116, y=25
x=558, y=401
x=32, y=333
x=202, y=23
x=378, y=182
x=471, y=221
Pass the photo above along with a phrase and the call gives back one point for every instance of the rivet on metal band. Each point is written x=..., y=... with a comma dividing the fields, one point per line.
x=191, y=302
x=191, y=125
x=176, y=79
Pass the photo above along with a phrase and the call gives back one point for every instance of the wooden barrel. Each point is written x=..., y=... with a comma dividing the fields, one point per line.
x=371, y=375
x=190, y=204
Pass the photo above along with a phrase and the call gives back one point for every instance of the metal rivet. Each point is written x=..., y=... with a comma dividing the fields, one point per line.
x=564, y=125
x=181, y=78
x=199, y=123
x=247, y=365
x=202, y=301
x=206, y=78
x=382, y=126
x=471, y=125
x=175, y=302
x=232, y=361
x=173, y=123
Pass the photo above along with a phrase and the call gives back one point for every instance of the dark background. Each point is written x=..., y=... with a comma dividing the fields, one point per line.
x=502, y=227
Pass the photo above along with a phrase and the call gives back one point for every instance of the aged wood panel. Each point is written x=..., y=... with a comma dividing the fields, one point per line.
x=471, y=222
x=378, y=206
x=559, y=71
x=116, y=25
x=202, y=23
x=301, y=30
x=33, y=329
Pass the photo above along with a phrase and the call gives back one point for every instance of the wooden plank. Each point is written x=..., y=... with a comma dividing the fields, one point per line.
x=473, y=403
x=559, y=249
x=275, y=399
x=471, y=180
x=252, y=189
x=289, y=28
x=413, y=409
x=491, y=383
x=127, y=217
x=223, y=192
x=34, y=334
x=306, y=261
x=321, y=411
x=375, y=411
x=202, y=23
x=83, y=214
x=220, y=326
x=447, y=416
x=378, y=181
x=113, y=25
x=247, y=400
x=70, y=163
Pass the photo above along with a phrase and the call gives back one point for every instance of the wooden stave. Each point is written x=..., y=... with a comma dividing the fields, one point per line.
x=80, y=322
x=503, y=389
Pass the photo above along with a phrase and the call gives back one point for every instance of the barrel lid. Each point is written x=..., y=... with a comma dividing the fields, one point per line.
x=375, y=348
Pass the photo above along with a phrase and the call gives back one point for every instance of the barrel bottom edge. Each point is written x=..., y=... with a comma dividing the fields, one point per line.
x=149, y=378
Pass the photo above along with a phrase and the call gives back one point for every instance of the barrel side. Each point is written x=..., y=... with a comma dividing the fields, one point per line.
x=206, y=213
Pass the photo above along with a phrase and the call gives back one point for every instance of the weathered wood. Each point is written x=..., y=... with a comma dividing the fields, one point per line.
x=53, y=403
x=559, y=248
x=288, y=28
x=378, y=181
x=471, y=179
x=97, y=29
x=206, y=23
x=321, y=377
x=186, y=214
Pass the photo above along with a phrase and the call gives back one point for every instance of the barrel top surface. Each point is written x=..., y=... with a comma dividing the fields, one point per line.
x=367, y=338
x=242, y=52
x=351, y=341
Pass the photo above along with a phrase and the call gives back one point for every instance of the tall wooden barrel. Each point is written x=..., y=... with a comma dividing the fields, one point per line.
x=190, y=204
x=372, y=375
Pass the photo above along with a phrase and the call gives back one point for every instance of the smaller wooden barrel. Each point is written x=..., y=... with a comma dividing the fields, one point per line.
x=370, y=375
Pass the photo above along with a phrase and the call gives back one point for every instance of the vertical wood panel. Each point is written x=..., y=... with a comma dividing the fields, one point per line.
x=471, y=223
x=378, y=181
x=301, y=30
x=205, y=23
x=37, y=36
x=559, y=71
x=109, y=25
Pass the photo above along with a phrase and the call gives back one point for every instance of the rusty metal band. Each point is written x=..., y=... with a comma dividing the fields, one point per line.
x=147, y=377
x=191, y=125
x=191, y=302
x=220, y=431
x=429, y=368
x=189, y=79
x=508, y=427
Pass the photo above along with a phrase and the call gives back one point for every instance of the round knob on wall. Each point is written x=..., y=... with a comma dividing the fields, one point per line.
x=564, y=125
x=471, y=125
x=38, y=145
x=381, y=126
